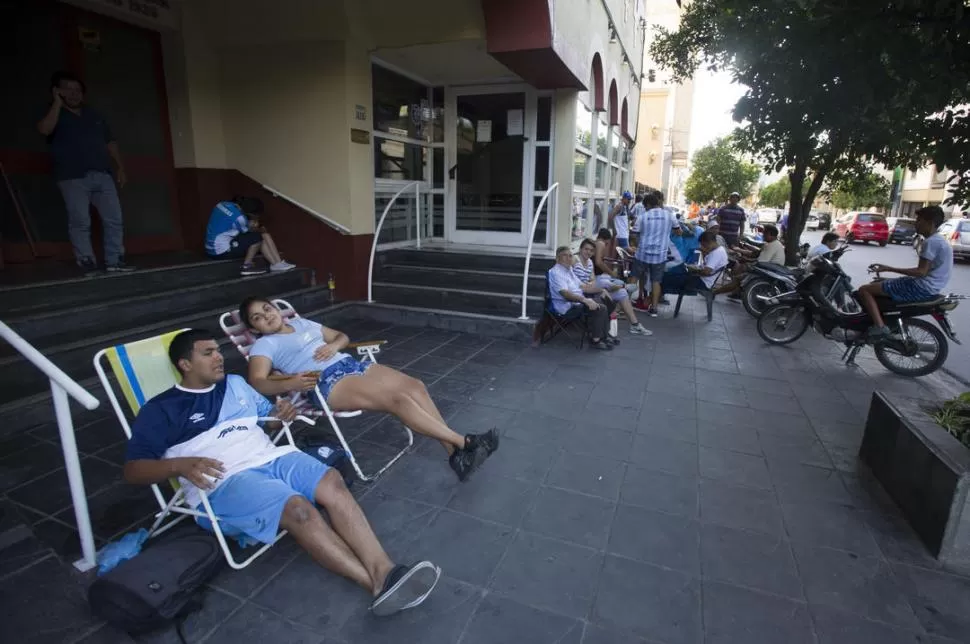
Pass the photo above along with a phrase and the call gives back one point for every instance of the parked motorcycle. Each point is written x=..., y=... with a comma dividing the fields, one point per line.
x=915, y=347
x=766, y=280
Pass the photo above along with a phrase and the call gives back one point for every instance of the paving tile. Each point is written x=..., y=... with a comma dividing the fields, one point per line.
x=734, y=468
x=862, y=585
x=216, y=608
x=244, y=583
x=649, y=601
x=837, y=627
x=396, y=521
x=666, y=425
x=492, y=497
x=941, y=600
x=845, y=434
x=519, y=459
x=420, y=479
x=453, y=351
x=575, y=373
x=664, y=455
x=538, y=428
x=52, y=493
x=665, y=384
x=593, y=440
x=587, y=474
x=464, y=547
x=657, y=538
x=600, y=419
x=730, y=437
x=570, y=516
x=476, y=372
x=829, y=525
x=735, y=615
x=845, y=459
x=560, y=404
x=596, y=634
x=807, y=484
x=473, y=418
x=670, y=405
x=794, y=448
x=709, y=361
x=897, y=540
x=255, y=624
x=115, y=509
x=498, y=395
x=21, y=467
x=737, y=507
x=723, y=396
x=501, y=620
x=453, y=389
x=548, y=574
x=749, y=559
x=659, y=491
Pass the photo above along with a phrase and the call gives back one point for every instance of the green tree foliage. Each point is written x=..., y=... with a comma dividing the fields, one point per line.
x=775, y=195
x=868, y=190
x=835, y=86
x=717, y=171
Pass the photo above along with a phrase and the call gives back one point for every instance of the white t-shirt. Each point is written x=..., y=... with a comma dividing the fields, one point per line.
x=772, y=252
x=714, y=260
x=622, y=224
x=293, y=352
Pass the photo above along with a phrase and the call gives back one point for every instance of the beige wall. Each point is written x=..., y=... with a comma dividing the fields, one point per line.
x=649, y=154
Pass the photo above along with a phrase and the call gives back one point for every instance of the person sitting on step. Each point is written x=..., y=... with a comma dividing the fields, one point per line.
x=204, y=431
x=234, y=231
x=572, y=299
x=312, y=355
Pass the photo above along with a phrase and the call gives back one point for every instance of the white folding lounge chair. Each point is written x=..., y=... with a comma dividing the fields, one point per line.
x=142, y=370
x=243, y=339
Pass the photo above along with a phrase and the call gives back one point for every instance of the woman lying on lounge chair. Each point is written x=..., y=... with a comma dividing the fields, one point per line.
x=311, y=354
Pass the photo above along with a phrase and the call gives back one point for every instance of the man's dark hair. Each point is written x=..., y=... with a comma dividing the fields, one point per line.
x=244, y=308
x=638, y=199
x=829, y=237
x=605, y=234
x=59, y=76
x=769, y=229
x=183, y=344
x=659, y=195
x=650, y=200
x=588, y=242
x=707, y=237
x=933, y=214
x=249, y=205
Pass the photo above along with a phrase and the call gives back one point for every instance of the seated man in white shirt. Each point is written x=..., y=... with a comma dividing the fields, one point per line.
x=714, y=259
x=772, y=252
x=829, y=242
x=573, y=299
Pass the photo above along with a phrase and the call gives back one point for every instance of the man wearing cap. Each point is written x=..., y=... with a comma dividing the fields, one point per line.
x=619, y=221
x=731, y=217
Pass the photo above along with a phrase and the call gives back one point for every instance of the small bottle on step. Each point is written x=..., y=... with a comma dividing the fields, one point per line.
x=331, y=285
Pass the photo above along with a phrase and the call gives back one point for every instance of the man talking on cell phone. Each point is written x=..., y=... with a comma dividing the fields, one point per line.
x=83, y=149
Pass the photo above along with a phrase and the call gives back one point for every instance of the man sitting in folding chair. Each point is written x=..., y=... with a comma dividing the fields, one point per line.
x=571, y=299
x=311, y=353
x=205, y=432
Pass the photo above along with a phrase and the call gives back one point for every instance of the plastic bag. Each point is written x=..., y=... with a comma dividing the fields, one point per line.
x=127, y=547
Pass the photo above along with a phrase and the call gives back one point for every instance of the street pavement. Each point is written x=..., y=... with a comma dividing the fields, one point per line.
x=861, y=256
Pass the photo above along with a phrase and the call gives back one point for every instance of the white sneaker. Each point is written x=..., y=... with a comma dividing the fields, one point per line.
x=639, y=329
x=281, y=267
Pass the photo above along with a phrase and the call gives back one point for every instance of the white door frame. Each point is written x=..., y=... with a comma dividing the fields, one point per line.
x=452, y=233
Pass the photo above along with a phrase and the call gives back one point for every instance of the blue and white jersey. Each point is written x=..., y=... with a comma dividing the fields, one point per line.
x=218, y=422
x=583, y=272
x=655, y=226
x=226, y=221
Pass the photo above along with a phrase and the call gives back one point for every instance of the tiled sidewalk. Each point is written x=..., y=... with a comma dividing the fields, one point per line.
x=692, y=486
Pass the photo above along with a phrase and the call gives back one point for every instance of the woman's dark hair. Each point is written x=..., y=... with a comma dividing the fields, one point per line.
x=245, y=306
x=587, y=242
x=605, y=234
x=57, y=77
x=183, y=344
x=932, y=213
x=829, y=237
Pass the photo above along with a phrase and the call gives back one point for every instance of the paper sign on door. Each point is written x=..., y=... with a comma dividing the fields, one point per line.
x=515, y=118
x=483, y=132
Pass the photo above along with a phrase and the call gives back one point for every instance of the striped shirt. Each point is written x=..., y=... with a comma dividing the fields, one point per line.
x=583, y=273
x=732, y=220
x=562, y=279
x=655, y=226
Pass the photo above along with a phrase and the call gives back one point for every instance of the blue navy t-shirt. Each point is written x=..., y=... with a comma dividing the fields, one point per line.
x=219, y=422
x=79, y=144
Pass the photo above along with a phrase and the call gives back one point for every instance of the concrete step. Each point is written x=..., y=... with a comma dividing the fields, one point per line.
x=461, y=278
x=456, y=299
x=449, y=259
x=47, y=296
x=23, y=386
x=75, y=323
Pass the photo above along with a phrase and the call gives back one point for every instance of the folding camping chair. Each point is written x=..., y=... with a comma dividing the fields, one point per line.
x=243, y=340
x=142, y=370
x=552, y=323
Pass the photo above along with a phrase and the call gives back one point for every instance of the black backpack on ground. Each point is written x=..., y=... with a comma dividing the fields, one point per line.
x=160, y=586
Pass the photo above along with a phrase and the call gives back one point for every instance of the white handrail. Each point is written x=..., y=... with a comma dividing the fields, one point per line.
x=322, y=217
x=554, y=188
x=63, y=386
x=377, y=233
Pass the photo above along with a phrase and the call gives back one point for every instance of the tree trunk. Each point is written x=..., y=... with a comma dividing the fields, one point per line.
x=795, y=218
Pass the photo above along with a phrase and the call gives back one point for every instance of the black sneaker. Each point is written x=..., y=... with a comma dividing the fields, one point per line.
x=119, y=267
x=488, y=440
x=466, y=460
x=600, y=345
x=88, y=266
x=611, y=340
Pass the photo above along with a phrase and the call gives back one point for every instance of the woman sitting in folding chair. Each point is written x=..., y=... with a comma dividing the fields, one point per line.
x=311, y=354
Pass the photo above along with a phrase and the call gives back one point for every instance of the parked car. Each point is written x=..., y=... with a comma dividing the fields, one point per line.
x=812, y=222
x=863, y=227
x=768, y=215
x=957, y=232
x=901, y=230
x=824, y=219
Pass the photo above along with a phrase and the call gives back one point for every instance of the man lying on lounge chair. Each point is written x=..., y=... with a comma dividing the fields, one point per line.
x=204, y=432
x=312, y=354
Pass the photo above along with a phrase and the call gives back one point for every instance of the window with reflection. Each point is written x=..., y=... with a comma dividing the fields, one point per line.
x=584, y=126
x=401, y=106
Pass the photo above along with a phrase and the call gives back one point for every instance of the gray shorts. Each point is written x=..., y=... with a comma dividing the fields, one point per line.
x=653, y=273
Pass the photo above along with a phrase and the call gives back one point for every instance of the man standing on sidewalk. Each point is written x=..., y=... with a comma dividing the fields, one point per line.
x=83, y=148
x=731, y=217
x=655, y=226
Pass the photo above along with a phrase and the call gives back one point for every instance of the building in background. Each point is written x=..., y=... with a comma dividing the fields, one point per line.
x=666, y=111
x=924, y=187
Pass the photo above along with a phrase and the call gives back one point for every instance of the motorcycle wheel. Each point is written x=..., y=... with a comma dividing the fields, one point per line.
x=783, y=323
x=752, y=304
x=929, y=339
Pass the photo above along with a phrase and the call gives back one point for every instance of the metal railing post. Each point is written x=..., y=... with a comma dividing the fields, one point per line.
x=377, y=234
x=528, y=253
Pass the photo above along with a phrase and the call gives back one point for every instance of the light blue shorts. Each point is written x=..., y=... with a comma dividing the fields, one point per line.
x=337, y=372
x=906, y=289
x=250, y=503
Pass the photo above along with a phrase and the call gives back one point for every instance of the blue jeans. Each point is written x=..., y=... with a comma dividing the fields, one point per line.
x=96, y=188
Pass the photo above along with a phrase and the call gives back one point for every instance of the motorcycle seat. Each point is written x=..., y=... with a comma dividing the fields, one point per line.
x=776, y=268
x=933, y=301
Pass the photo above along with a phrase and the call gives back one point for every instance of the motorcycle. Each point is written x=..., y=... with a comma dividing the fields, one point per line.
x=914, y=348
x=766, y=280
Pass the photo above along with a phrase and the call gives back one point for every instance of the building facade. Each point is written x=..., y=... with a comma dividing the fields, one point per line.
x=924, y=187
x=455, y=117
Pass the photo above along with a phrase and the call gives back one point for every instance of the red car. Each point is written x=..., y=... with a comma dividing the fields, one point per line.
x=863, y=227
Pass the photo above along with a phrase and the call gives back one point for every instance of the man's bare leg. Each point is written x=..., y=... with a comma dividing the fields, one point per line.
x=655, y=294
x=627, y=309
x=868, y=294
x=269, y=250
x=251, y=253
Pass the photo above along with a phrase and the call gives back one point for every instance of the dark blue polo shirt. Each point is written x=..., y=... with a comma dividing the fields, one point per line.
x=79, y=144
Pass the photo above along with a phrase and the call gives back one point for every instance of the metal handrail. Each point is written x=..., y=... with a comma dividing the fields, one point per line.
x=322, y=217
x=554, y=188
x=380, y=224
x=62, y=386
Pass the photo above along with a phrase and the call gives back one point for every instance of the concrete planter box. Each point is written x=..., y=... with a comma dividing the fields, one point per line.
x=926, y=471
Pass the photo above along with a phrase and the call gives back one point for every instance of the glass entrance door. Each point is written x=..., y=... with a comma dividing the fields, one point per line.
x=490, y=167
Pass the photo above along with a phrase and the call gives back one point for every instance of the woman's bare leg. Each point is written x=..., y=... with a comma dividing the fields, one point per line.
x=251, y=253
x=269, y=249
x=627, y=309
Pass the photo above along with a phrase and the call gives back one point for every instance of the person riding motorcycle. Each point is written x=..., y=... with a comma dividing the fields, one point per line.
x=924, y=282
